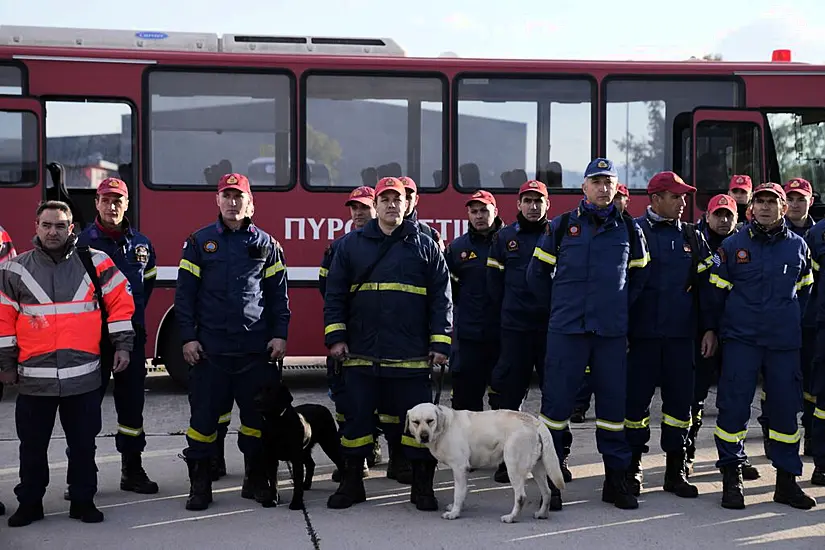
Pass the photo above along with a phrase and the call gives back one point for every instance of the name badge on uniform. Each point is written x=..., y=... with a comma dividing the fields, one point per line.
x=743, y=256
x=142, y=253
x=512, y=246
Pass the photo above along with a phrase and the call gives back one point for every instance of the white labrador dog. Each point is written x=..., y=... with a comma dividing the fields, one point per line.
x=466, y=439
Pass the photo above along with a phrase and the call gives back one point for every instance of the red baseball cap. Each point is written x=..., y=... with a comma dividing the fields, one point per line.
x=722, y=202
x=234, y=181
x=533, y=185
x=482, y=196
x=389, y=184
x=668, y=181
x=741, y=182
x=113, y=185
x=364, y=194
x=770, y=187
x=623, y=190
x=799, y=185
x=409, y=183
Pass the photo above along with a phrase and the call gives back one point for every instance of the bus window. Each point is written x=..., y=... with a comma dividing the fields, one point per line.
x=511, y=130
x=725, y=148
x=362, y=128
x=11, y=81
x=240, y=121
x=18, y=148
x=799, y=142
x=640, y=120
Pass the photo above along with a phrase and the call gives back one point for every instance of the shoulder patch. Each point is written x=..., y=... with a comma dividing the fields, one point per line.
x=743, y=256
x=142, y=253
x=512, y=245
x=210, y=246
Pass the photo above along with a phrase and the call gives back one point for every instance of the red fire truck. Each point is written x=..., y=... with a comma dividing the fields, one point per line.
x=309, y=118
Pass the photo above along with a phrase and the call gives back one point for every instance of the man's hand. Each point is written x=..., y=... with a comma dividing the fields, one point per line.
x=192, y=352
x=121, y=361
x=8, y=376
x=709, y=344
x=437, y=358
x=339, y=350
x=277, y=348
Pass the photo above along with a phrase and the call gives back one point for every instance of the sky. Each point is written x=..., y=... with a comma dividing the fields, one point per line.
x=746, y=30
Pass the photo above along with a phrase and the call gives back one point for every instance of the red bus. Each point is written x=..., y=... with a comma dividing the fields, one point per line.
x=309, y=118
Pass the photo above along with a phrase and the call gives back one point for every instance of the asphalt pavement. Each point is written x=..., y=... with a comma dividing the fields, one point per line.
x=387, y=520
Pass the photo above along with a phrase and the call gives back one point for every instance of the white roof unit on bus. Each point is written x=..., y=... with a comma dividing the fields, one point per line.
x=315, y=45
x=108, y=39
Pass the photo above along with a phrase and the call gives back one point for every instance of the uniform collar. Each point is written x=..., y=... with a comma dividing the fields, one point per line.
x=247, y=226
x=757, y=232
x=372, y=231
x=68, y=248
x=655, y=219
x=476, y=236
x=99, y=231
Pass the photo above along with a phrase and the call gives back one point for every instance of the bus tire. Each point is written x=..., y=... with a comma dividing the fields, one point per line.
x=172, y=354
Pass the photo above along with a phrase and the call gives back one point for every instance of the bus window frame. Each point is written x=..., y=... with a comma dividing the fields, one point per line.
x=773, y=166
x=40, y=119
x=741, y=98
x=146, y=124
x=24, y=76
x=374, y=73
x=594, y=121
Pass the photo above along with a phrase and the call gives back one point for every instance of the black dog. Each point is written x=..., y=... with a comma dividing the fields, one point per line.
x=289, y=434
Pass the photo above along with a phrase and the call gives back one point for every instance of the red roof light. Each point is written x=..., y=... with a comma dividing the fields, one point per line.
x=781, y=56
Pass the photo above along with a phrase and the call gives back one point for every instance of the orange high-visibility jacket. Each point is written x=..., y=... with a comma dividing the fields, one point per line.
x=7, y=251
x=50, y=322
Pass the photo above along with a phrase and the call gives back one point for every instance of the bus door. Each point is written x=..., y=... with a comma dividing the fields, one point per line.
x=21, y=166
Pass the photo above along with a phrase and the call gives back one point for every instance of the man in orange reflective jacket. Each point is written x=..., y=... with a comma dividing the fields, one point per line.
x=50, y=330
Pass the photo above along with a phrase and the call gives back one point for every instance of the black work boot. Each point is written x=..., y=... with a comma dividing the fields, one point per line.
x=421, y=492
x=133, y=477
x=26, y=514
x=501, y=475
x=565, y=470
x=351, y=490
x=818, y=477
x=399, y=467
x=749, y=471
x=788, y=492
x=615, y=489
x=375, y=457
x=200, y=484
x=217, y=464
x=256, y=482
x=635, y=474
x=85, y=511
x=676, y=476
x=578, y=416
x=733, y=493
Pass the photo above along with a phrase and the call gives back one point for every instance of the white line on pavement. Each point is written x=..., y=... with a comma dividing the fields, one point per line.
x=198, y=518
x=591, y=527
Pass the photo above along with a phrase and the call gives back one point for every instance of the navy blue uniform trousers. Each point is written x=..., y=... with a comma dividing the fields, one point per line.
x=667, y=362
x=521, y=352
x=391, y=391
x=706, y=371
x=818, y=391
x=128, y=393
x=471, y=371
x=567, y=357
x=741, y=364
x=214, y=382
x=585, y=393
x=80, y=418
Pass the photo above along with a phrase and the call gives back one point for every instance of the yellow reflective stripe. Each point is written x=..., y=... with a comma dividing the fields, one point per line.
x=225, y=418
x=440, y=339
x=150, y=273
x=277, y=267
x=323, y=272
x=806, y=280
x=763, y=396
x=339, y=417
x=192, y=433
x=554, y=424
x=785, y=438
x=720, y=282
x=491, y=391
x=815, y=264
x=609, y=426
x=705, y=264
x=819, y=413
x=333, y=327
x=809, y=397
x=190, y=267
x=454, y=278
x=675, y=422
x=544, y=256
x=492, y=262
x=640, y=262
x=359, y=442
x=396, y=287
x=730, y=437
x=411, y=442
x=640, y=425
x=393, y=364
x=251, y=432
x=587, y=369
x=126, y=430
x=388, y=419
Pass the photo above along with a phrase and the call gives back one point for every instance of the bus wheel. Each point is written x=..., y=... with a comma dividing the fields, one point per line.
x=173, y=360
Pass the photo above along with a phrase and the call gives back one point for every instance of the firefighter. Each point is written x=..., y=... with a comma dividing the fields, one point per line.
x=412, y=211
x=523, y=318
x=388, y=316
x=7, y=251
x=763, y=277
x=134, y=256
x=585, y=393
x=741, y=189
x=361, y=204
x=232, y=308
x=815, y=310
x=590, y=268
x=50, y=332
x=717, y=223
x=672, y=309
x=477, y=327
